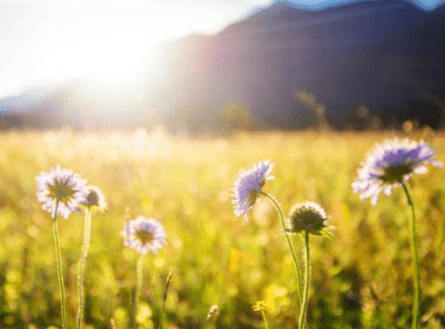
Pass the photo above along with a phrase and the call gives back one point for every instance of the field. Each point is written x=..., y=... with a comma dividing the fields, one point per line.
x=361, y=280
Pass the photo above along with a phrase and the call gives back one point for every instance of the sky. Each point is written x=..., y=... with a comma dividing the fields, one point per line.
x=50, y=41
x=45, y=41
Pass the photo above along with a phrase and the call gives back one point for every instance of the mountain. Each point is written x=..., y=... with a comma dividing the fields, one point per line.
x=382, y=54
x=386, y=55
x=73, y=104
x=27, y=98
x=439, y=10
x=427, y=6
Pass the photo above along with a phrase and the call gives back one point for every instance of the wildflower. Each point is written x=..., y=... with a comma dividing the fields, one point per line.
x=387, y=166
x=212, y=311
x=144, y=234
x=307, y=216
x=248, y=185
x=390, y=164
x=61, y=191
x=94, y=198
x=259, y=306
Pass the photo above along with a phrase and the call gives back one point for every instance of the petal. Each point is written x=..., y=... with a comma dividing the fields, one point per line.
x=436, y=163
x=420, y=170
x=388, y=189
x=374, y=199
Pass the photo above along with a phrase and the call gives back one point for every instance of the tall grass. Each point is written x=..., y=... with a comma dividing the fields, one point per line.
x=360, y=281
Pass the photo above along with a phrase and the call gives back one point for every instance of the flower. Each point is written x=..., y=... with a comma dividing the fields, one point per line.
x=212, y=311
x=247, y=186
x=94, y=198
x=259, y=306
x=391, y=163
x=61, y=191
x=307, y=216
x=143, y=234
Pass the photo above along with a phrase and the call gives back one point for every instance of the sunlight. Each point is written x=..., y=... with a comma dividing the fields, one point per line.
x=116, y=59
x=106, y=58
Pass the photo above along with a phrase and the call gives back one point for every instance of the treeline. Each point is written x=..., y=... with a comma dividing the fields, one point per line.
x=237, y=116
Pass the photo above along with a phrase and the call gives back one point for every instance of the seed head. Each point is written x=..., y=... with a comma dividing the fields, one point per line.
x=95, y=199
x=307, y=216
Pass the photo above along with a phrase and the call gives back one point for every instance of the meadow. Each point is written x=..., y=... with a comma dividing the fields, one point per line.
x=363, y=279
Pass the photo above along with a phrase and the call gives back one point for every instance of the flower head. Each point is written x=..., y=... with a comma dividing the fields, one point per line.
x=212, y=311
x=391, y=163
x=143, y=234
x=61, y=191
x=308, y=216
x=95, y=198
x=259, y=306
x=247, y=186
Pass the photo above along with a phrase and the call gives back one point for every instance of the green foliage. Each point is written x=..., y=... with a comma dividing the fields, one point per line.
x=237, y=116
x=361, y=280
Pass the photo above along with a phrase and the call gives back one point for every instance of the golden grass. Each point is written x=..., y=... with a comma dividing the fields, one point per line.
x=362, y=280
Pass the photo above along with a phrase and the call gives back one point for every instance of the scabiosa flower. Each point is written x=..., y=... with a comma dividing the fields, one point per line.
x=307, y=216
x=95, y=198
x=61, y=189
x=248, y=185
x=144, y=234
x=391, y=163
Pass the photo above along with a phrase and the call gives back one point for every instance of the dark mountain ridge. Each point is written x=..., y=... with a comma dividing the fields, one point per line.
x=379, y=54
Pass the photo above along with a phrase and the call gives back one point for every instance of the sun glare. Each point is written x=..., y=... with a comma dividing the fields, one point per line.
x=108, y=59
x=111, y=58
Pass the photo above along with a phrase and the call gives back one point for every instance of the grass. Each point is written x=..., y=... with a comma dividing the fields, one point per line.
x=362, y=280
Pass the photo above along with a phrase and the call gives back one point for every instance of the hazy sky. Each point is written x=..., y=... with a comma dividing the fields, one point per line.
x=42, y=41
x=49, y=40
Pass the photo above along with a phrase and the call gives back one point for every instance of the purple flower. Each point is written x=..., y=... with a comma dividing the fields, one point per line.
x=60, y=189
x=144, y=234
x=247, y=186
x=391, y=163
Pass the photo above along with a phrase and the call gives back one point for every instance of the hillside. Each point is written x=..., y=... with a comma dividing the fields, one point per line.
x=386, y=55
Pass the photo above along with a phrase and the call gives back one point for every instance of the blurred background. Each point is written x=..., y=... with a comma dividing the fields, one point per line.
x=161, y=104
x=211, y=67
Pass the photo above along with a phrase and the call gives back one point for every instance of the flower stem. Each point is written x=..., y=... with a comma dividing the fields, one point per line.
x=59, y=266
x=81, y=266
x=297, y=264
x=139, y=279
x=263, y=314
x=415, y=262
x=162, y=318
x=303, y=313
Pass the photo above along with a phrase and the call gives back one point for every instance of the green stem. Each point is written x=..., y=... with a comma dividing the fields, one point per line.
x=302, y=322
x=139, y=279
x=415, y=262
x=297, y=264
x=162, y=318
x=59, y=266
x=263, y=314
x=81, y=266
